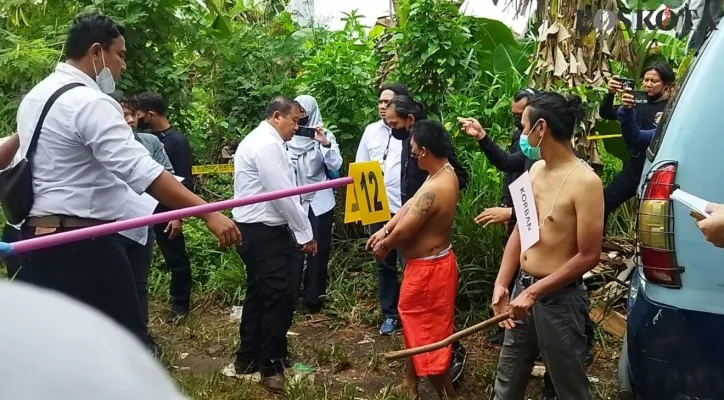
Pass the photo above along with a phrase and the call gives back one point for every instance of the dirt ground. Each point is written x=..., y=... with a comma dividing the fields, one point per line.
x=348, y=363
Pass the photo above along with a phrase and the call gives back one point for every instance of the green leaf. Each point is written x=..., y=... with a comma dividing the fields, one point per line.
x=376, y=32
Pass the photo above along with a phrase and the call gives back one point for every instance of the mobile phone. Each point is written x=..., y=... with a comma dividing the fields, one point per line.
x=697, y=215
x=627, y=85
x=640, y=96
x=306, y=132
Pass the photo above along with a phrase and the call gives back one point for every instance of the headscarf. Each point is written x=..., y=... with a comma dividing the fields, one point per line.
x=309, y=162
x=300, y=144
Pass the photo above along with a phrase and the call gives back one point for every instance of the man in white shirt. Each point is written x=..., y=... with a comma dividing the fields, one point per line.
x=85, y=160
x=378, y=144
x=272, y=231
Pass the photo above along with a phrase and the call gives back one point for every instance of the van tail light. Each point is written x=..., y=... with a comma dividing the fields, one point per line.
x=655, y=228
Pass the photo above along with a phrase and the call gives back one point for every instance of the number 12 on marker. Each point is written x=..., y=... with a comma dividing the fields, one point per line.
x=369, y=195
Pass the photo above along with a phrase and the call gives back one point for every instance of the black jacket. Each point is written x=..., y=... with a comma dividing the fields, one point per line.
x=179, y=153
x=646, y=118
x=510, y=166
x=413, y=177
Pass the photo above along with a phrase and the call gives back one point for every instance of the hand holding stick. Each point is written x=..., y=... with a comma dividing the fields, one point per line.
x=492, y=322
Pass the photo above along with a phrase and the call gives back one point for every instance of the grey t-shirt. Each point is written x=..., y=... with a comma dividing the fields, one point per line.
x=155, y=147
x=54, y=347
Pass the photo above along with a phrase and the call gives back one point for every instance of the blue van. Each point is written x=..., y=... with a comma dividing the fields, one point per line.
x=674, y=344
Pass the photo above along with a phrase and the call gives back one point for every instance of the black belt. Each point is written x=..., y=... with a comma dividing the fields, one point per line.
x=527, y=280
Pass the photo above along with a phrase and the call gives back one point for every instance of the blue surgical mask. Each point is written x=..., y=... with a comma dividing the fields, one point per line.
x=104, y=79
x=529, y=151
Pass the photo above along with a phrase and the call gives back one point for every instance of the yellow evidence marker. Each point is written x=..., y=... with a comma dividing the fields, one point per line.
x=370, y=184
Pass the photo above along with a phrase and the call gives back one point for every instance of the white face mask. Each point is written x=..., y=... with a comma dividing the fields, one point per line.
x=105, y=79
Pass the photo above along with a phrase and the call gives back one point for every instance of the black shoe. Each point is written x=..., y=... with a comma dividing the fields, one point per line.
x=274, y=384
x=287, y=362
x=457, y=363
x=549, y=392
x=154, y=347
x=312, y=308
x=245, y=367
x=176, y=314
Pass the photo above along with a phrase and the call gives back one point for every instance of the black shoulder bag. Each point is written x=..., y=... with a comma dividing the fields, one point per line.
x=16, y=183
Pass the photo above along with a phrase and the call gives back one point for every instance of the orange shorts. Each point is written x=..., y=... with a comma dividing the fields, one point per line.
x=427, y=309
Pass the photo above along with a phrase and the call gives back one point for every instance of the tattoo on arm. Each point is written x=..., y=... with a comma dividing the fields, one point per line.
x=421, y=208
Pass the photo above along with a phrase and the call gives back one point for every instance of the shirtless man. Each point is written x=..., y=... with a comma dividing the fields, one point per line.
x=549, y=299
x=422, y=231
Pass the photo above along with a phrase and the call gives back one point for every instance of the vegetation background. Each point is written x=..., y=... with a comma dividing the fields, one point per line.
x=219, y=65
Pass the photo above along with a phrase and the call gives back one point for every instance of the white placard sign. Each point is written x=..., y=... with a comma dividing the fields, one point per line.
x=522, y=193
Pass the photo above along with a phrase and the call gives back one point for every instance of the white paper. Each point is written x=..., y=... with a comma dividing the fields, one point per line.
x=138, y=206
x=521, y=191
x=694, y=203
x=178, y=178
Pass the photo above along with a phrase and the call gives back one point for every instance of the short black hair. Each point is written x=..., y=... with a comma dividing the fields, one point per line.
x=126, y=101
x=561, y=114
x=398, y=88
x=432, y=136
x=151, y=101
x=406, y=105
x=667, y=74
x=282, y=104
x=88, y=29
x=524, y=93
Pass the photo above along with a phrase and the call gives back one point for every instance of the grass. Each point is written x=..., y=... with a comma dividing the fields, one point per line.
x=349, y=361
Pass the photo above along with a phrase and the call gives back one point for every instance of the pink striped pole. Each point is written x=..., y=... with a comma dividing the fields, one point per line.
x=42, y=242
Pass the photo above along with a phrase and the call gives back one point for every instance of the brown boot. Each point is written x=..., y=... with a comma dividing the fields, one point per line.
x=274, y=384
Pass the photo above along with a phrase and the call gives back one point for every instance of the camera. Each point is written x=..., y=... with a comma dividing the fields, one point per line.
x=626, y=84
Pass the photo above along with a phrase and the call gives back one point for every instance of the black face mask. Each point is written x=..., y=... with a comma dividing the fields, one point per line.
x=304, y=121
x=518, y=123
x=400, y=133
x=142, y=125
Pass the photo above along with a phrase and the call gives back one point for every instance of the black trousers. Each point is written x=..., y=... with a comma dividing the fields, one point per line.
x=177, y=261
x=12, y=262
x=93, y=271
x=621, y=189
x=140, y=257
x=270, y=255
x=315, y=275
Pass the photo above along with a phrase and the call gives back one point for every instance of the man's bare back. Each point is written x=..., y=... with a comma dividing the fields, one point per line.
x=557, y=218
x=435, y=203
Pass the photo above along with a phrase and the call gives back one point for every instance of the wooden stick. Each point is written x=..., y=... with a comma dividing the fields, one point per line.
x=395, y=355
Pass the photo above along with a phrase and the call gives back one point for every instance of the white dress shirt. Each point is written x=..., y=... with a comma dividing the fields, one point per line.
x=377, y=144
x=261, y=165
x=16, y=159
x=86, y=155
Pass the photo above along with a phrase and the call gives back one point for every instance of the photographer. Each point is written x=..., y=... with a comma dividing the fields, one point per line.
x=658, y=79
x=316, y=157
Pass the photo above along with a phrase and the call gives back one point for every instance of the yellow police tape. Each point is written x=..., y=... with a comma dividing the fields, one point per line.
x=212, y=169
x=595, y=137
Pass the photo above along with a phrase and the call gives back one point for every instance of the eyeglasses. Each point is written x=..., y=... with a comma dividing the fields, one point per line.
x=415, y=155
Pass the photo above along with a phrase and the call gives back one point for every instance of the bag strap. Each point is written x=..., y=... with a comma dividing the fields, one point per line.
x=46, y=109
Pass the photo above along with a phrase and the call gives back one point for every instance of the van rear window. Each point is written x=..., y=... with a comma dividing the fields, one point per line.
x=666, y=115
